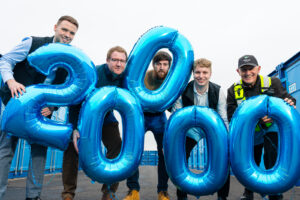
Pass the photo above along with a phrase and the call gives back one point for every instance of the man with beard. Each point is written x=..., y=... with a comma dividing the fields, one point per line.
x=17, y=74
x=154, y=122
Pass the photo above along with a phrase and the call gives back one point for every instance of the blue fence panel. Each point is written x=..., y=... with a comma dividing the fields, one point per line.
x=288, y=73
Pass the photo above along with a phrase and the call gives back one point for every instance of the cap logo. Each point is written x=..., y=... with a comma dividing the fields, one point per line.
x=246, y=59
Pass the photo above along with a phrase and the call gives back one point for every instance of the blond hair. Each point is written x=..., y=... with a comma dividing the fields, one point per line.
x=202, y=62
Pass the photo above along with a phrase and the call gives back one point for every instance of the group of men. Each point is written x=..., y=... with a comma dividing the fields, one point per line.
x=17, y=74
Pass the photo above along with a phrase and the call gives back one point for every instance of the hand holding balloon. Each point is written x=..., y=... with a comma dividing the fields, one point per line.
x=76, y=136
x=289, y=101
x=47, y=111
x=15, y=87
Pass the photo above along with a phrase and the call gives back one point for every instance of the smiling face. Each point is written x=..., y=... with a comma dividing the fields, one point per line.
x=249, y=74
x=64, y=32
x=116, y=63
x=202, y=75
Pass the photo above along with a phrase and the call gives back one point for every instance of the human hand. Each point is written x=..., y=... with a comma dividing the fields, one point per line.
x=15, y=87
x=76, y=136
x=289, y=101
x=46, y=111
x=266, y=119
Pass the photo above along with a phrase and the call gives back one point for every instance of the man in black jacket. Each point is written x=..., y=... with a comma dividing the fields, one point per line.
x=253, y=84
x=109, y=74
x=17, y=74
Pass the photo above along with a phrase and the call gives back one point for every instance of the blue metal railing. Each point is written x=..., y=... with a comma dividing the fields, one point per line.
x=54, y=160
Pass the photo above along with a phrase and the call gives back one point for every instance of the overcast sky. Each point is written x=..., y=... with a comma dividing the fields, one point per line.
x=221, y=31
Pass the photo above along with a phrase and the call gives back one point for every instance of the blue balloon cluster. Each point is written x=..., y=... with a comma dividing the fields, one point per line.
x=22, y=118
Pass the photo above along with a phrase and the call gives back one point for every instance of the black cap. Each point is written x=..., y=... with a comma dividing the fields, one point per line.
x=247, y=60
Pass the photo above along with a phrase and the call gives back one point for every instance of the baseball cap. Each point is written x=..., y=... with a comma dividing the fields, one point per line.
x=247, y=60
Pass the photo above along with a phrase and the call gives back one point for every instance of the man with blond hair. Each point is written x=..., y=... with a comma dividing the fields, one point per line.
x=202, y=92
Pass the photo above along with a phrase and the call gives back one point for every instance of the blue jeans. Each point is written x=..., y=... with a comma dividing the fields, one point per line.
x=36, y=167
x=156, y=124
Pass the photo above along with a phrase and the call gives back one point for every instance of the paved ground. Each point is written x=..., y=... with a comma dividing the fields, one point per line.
x=148, y=180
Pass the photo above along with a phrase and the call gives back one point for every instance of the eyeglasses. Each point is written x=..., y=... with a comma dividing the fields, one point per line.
x=118, y=60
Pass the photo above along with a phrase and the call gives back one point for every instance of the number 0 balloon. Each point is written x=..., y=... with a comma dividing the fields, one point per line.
x=285, y=173
x=216, y=171
x=179, y=74
x=92, y=160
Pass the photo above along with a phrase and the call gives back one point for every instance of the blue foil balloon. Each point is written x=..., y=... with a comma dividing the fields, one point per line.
x=179, y=74
x=22, y=116
x=215, y=173
x=285, y=172
x=92, y=114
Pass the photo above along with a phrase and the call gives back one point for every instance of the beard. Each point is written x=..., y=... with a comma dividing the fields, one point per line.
x=161, y=74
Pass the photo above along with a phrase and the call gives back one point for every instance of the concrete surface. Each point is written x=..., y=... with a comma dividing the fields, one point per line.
x=148, y=179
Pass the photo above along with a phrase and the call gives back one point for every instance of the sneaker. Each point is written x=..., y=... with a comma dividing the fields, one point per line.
x=276, y=197
x=132, y=195
x=163, y=195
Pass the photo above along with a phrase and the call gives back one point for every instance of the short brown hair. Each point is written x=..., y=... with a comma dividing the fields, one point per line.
x=69, y=19
x=116, y=48
x=202, y=62
x=161, y=55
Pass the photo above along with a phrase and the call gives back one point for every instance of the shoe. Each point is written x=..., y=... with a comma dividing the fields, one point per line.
x=68, y=198
x=248, y=195
x=132, y=195
x=221, y=198
x=182, y=198
x=35, y=198
x=276, y=197
x=107, y=196
x=163, y=195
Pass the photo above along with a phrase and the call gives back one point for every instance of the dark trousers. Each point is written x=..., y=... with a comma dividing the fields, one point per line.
x=156, y=124
x=113, y=143
x=270, y=155
x=132, y=181
x=189, y=145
